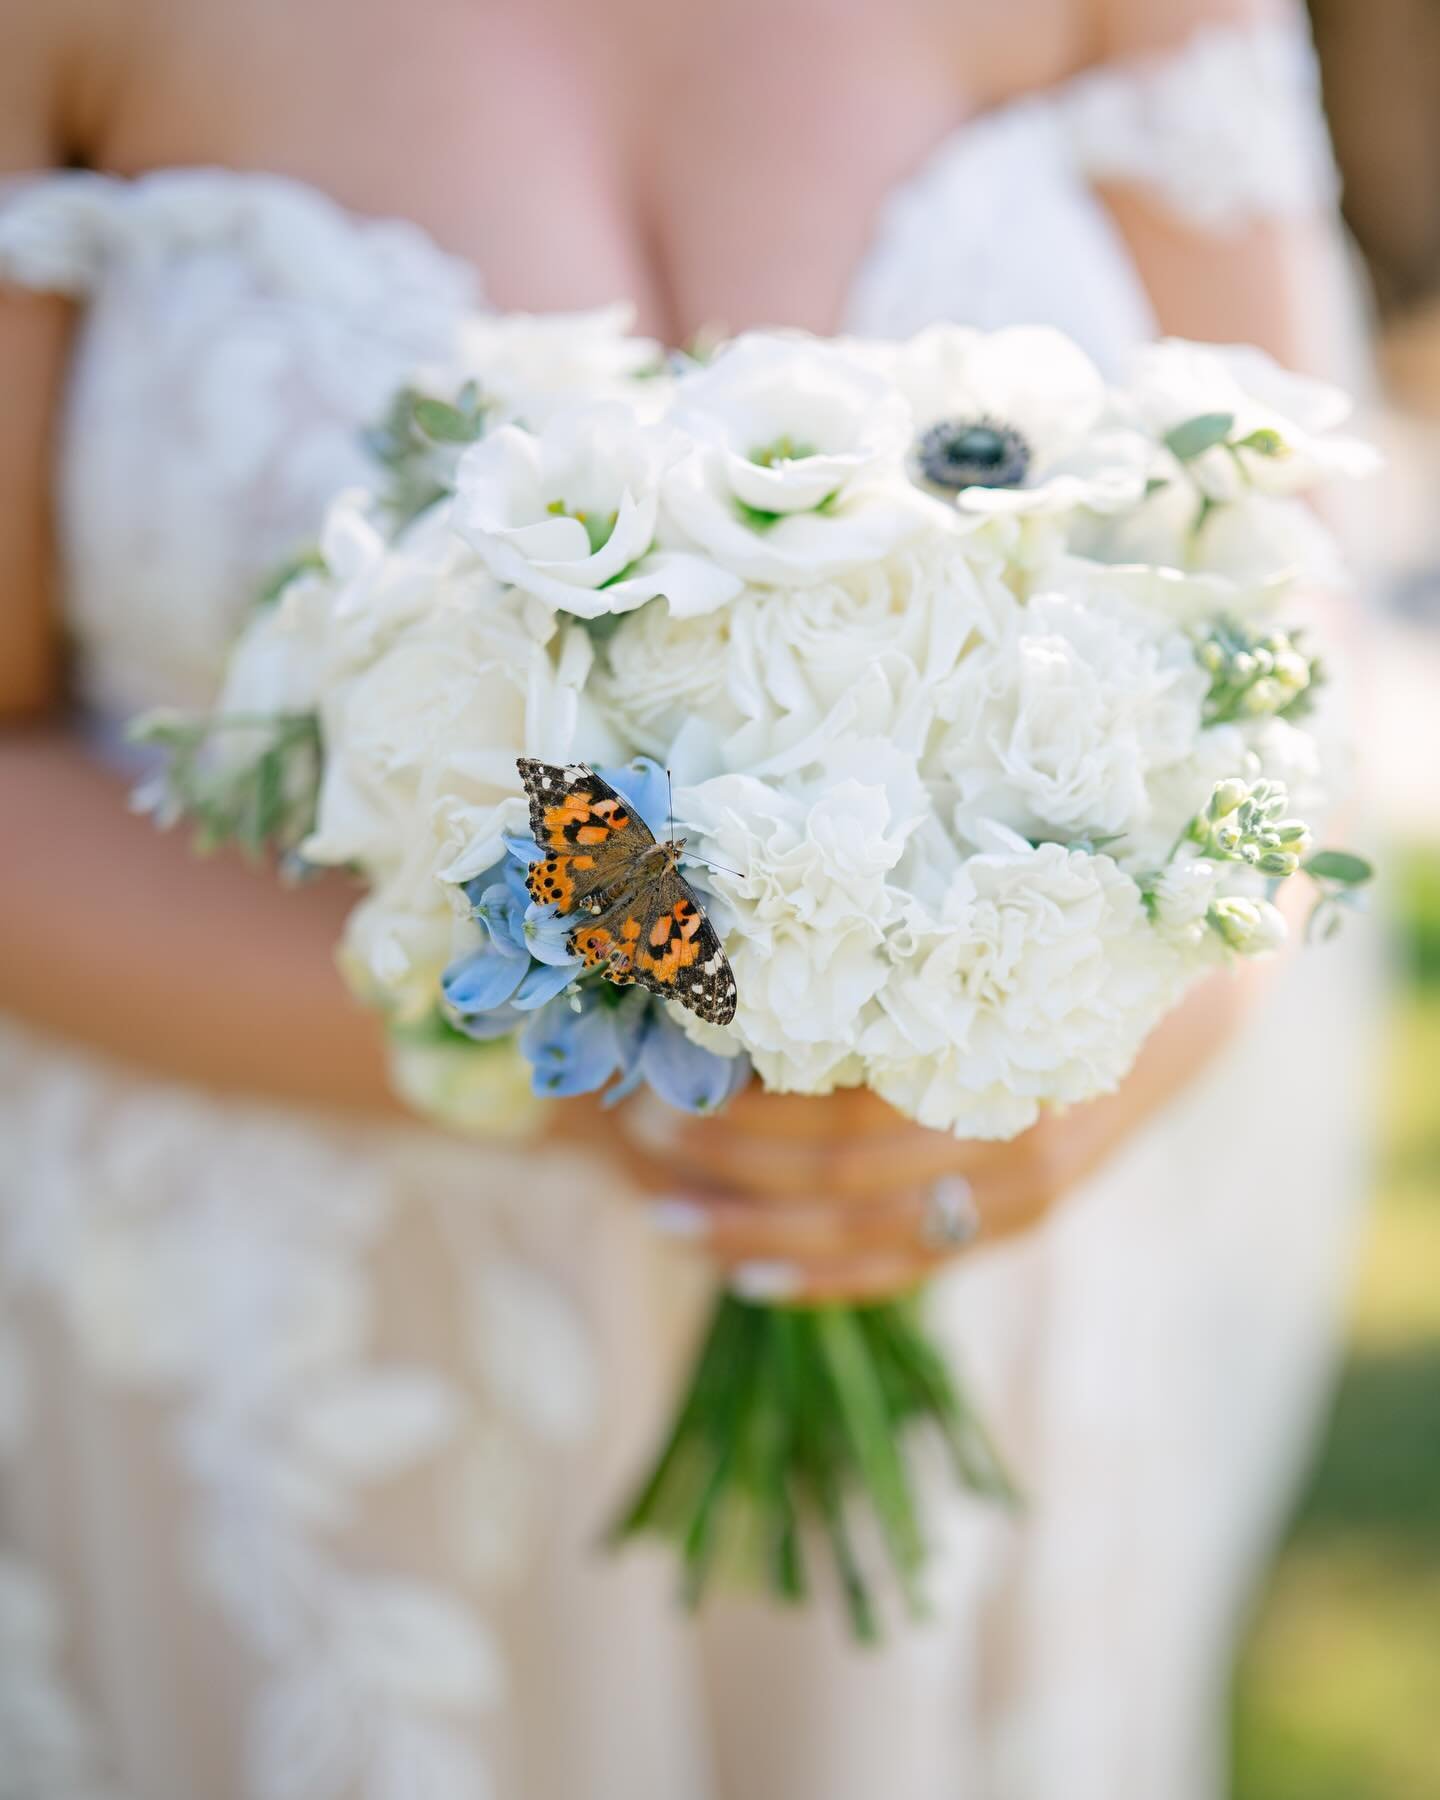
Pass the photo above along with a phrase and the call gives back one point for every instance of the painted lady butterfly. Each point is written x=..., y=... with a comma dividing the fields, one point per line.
x=638, y=921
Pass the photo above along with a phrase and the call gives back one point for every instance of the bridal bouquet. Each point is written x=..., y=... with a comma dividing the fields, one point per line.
x=924, y=716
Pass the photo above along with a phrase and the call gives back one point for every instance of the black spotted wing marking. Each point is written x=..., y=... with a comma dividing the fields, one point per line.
x=593, y=843
x=678, y=954
x=636, y=920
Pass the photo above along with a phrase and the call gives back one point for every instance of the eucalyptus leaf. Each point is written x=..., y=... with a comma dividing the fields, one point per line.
x=1193, y=437
x=1340, y=865
x=445, y=424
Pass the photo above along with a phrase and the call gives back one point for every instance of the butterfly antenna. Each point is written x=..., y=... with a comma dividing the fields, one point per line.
x=689, y=856
x=705, y=863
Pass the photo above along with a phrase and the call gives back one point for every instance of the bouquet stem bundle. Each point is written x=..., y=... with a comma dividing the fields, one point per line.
x=798, y=1425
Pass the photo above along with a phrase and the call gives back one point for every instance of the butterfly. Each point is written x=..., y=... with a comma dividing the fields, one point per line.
x=637, y=921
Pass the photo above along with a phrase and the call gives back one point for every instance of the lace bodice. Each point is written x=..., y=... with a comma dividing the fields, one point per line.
x=241, y=328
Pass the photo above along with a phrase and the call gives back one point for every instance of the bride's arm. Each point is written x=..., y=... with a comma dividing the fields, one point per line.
x=1275, y=280
x=109, y=932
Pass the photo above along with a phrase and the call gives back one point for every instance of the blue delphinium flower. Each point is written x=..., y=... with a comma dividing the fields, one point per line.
x=579, y=1035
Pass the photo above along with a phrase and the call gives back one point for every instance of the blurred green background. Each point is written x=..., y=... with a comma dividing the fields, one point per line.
x=1338, y=1692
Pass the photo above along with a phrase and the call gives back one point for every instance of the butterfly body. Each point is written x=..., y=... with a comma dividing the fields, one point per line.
x=636, y=918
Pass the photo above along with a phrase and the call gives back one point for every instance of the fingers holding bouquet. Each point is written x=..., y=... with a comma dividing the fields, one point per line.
x=807, y=1199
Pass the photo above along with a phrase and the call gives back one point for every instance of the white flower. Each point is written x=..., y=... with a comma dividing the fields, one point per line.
x=1251, y=927
x=1036, y=981
x=811, y=910
x=1183, y=893
x=781, y=671
x=420, y=777
x=277, y=663
x=569, y=515
x=529, y=364
x=1282, y=436
x=795, y=467
x=1061, y=723
x=1016, y=421
x=1253, y=540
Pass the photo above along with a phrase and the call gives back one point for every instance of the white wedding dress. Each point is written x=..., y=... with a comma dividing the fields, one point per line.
x=307, y=1430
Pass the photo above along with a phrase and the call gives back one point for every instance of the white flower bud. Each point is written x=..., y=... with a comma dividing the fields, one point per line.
x=1226, y=797
x=1292, y=671
x=1251, y=927
x=1264, y=697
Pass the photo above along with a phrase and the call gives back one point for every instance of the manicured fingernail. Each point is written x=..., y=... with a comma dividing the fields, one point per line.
x=765, y=1280
x=679, y=1219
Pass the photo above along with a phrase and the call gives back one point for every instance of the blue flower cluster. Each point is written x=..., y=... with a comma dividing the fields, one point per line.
x=579, y=1032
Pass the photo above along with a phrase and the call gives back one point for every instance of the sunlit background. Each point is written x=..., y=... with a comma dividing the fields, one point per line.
x=1338, y=1693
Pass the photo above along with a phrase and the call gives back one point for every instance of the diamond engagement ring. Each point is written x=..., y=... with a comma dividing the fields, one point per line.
x=951, y=1216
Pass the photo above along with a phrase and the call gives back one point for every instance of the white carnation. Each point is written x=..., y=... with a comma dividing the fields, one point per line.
x=1061, y=724
x=781, y=672
x=810, y=908
x=1037, y=980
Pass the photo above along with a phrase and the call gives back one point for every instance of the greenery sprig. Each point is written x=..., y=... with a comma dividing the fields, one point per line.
x=418, y=442
x=251, y=779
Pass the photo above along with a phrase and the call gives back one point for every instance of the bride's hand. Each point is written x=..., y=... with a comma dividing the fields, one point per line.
x=840, y=1198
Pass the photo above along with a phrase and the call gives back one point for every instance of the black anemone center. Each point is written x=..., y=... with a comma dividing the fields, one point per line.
x=961, y=453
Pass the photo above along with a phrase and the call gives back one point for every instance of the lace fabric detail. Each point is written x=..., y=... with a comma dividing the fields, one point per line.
x=63, y=232
x=1228, y=130
x=224, y=1258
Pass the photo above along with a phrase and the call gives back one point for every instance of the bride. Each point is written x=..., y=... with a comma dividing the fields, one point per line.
x=310, y=1417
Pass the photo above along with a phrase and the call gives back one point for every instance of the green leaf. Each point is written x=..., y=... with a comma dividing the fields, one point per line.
x=1193, y=437
x=1341, y=866
x=445, y=424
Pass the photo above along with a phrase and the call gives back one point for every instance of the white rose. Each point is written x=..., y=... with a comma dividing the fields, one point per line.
x=569, y=515
x=1037, y=980
x=1061, y=723
x=1015, y=421
x=810, y=909
x=795, y=466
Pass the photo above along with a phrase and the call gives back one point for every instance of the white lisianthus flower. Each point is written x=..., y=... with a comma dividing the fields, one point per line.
x=528, y=365
x=1059, y=725
x=809, y=915
x=1036, y=981
x=794, y=470
x=866, y=653
x=1281, y=436
x=1253, y=540
x=1014, y=422
x=569, y=515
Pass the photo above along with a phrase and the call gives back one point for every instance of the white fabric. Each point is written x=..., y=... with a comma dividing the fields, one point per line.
x=308, y=1431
